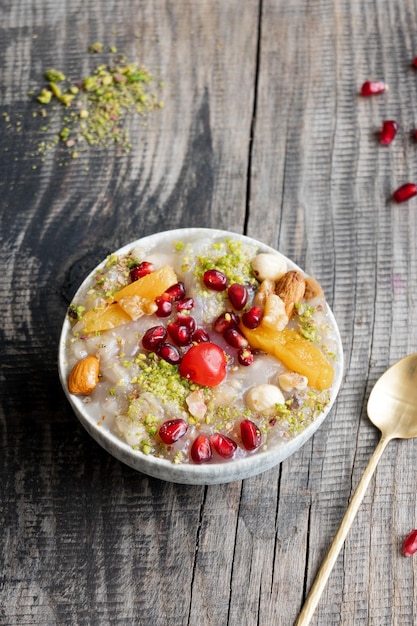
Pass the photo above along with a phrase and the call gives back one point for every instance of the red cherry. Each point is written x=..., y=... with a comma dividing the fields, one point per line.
x=204, y=364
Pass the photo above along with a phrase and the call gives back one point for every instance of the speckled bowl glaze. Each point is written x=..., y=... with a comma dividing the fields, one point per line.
x=205, y=474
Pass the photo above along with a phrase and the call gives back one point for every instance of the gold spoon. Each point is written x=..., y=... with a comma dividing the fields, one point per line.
x=392, y=407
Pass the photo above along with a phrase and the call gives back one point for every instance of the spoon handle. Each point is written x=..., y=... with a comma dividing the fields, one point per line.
x=339, y=538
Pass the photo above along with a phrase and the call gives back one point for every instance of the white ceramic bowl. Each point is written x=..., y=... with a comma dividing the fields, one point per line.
x=204, y=474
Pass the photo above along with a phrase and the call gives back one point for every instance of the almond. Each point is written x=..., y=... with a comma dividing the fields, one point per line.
x=291, y=288
x=84, y=376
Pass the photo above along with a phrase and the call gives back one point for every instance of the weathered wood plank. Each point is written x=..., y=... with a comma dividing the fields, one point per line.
x=262, y=131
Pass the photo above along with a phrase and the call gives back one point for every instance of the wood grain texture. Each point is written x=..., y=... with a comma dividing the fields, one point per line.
x=262, y=132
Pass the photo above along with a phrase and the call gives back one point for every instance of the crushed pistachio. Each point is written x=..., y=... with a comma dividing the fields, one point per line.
x=97, y=106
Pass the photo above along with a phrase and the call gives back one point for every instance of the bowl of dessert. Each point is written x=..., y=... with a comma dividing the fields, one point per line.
x=200, y=356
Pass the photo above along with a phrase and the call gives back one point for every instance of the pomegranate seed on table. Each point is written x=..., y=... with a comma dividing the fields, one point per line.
x=176, y=292
x=226, y=320
x=245, y=356
x=238, y=296
x=172, y=430
x=388, y=132
x=410, y=543
x=252, y=318
x=223, y=445
x=164, y=306
x=405, y=192
x=234, y=338
x=250, y=434
x=215, y=280
x=201, y=451
x=169, y=353
x=141, y=270
x=373, y=88
x=154, y=337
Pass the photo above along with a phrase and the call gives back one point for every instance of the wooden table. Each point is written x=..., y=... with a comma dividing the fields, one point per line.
x=263, y=132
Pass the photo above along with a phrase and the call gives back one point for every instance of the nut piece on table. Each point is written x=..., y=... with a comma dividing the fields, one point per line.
x=275, y=316
x=269, y=266
x=84, y=376
x=291, y=289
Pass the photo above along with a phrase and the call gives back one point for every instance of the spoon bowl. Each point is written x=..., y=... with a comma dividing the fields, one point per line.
x=392, y=407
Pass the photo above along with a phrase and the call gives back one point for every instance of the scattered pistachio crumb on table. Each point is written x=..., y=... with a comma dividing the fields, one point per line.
x=93, y=110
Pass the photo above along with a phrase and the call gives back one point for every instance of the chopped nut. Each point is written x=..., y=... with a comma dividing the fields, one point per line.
x=313, y=288
x=136, y=306
x=267, y=287
x=275, y=315
x=291, y=288
x=292, y=380
x=268, y=265
x=264, y=397
x=84, y=376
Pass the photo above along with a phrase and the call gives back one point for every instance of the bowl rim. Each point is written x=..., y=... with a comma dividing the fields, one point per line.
x=213, y=472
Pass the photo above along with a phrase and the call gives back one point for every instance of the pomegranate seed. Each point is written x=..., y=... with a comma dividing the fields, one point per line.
x=252, y=318
x=373, y=88
x=200, y=335
x=172, y=430
x=388, y=132
x=180, y=335
x=410, y=544
x=176, y=292
x=251, y=435
x=415, y=62
x=169, y=353
x=154, y=337
x=226, y=320
x=188, y=321
x=245, y=356
x=185, y=305
x=164, y=306
x=223, y=445
x=140, y=270
x=201, y=449
x=238, y=296
x=404, y=193
x=215, y=280
x=234, y=338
